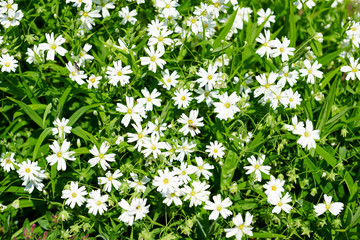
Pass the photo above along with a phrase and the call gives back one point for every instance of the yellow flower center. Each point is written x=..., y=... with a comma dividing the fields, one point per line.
x=172, y=195
x=286, y=74
x=282, y=49
x=7, y=64
x=149, y=99
x=193, y=20
x=156, y=128
x=129, y=111
x=82, y=54
x=167, y=5
x=267, y=86
x=74, y=195
x=85, y=14
x=183, y=173
x=353, y=29
x=291, y=99
x=127, y=17
x=310, y=71
x=183, y=98
x=140, y=135
x=257, y=166
x=8, y=6
x=273, y=188
x=192, y=193
x=59, y=154
x=166, y=181
x=265, y=44
x=206, y=94
x=139, y=183
x=216, y=5
x=153, y=58
x=168, y=80
x=28, y=170
x=327, y=206
x=153, y=147
x=280, y=204
x=98, y=203
x=278, y=97
x=62, y=128
x=73, y=73
x=307, y=134
x=227, y=105
x=119, y=73
x=101, y=156
x=241, y=226
x=204, y=13
x=8, y=161
x=110, y=178
x=160, y=39
x=53, y=46
x=209, y=77
x=216, y=150
x=190, y=122
x=354, y=70
x=92, y=80
x=219, y=208
x=201, y=168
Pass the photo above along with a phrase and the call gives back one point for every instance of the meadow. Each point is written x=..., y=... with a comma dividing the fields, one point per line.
x=179, y=119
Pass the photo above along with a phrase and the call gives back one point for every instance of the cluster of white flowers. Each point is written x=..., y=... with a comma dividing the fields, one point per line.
x=9, y=14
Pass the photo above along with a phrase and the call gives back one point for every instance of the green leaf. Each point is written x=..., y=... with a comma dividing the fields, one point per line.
x=327, y=156
x=228, y=169
x=267, y=235
x=47, y=111
x=292, y=33
x=84, y=134
x=328, y=57
x=63, y=99
x=41, y=138
x=326, y=109
x=225, y=30
x=30, y=112
x=328, y=77
x=80, y=112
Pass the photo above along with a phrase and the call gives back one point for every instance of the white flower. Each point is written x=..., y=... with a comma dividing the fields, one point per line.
x=218, y=207
x=93, y=81
x=153, y=146
x=97, y=202
x=110, y=180
x=60, y=127
x=265, y=17
x=215, y=149
x=53, y=46
x=60, y=154
x=127, y=16
x=334, y=207
x=74, y=195
x=118, y=74
x=87, y=17
x=171, y=197
x=7, y=161
x=208, y=77
x=101, y=157
x=265, y=48
x=287, y=76
x=182, y=98
x=280, y=203
x=137, y=184
x=185, y=149
x=352, y=70
x=227, y=108
x=28, y=170
x=257, y=167
x=202, y=168
x=166, y=181
x=8, y=63
x=141, y=208
x=128, y=215
x=241, y=228
x=13, y=18
x=311, y=71
x=169, y=80
x=150, y=99
x=75, y=74
x=206, y=95
x=34, y=55
x=308, y=135
x=295, y=124
x=140, y=137
x=160, y=38
x=154, y=58
x=267, y=85
x=191, y=123
x=197, y=194
x=83, y=55
x=274, y=187
x=104, y=5
x=293, y=99
x=132, y=112
x=184, y=171
x=282, y=49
